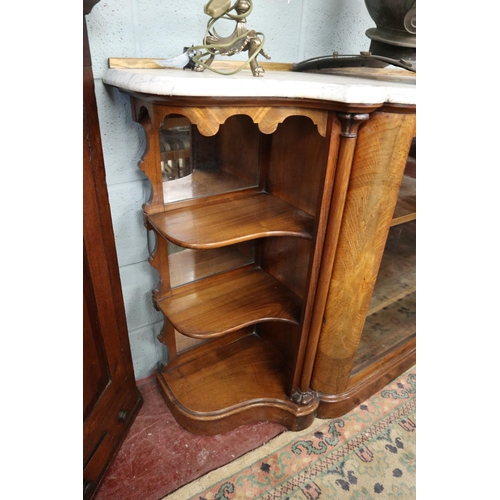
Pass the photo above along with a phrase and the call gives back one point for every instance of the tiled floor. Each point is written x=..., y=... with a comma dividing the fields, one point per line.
x=158, y=456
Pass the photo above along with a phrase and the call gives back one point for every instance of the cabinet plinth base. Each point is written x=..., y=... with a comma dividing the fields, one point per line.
x=368, y=382
x=237, y=383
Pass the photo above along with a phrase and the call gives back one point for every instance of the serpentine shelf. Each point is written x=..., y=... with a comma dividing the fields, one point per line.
x=232, y=221
x=228, y=302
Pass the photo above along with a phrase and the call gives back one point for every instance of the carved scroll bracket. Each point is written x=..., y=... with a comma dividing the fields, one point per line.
x=140, y=109
x=351, y=122
x=158, y=259
x=150, y=161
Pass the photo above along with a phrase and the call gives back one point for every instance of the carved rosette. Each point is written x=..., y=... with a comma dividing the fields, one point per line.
x=303, y=398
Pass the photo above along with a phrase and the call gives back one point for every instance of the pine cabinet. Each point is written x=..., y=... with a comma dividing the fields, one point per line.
x=270, y=214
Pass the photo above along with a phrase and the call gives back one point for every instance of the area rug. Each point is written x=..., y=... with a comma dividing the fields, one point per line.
x=369, y=453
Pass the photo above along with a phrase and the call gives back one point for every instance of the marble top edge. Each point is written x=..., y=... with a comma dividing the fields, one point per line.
x=286, y=84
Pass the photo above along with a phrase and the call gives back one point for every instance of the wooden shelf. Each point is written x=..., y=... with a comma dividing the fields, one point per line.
x=230, y=301
x=232, y=221
x=406, y=207
x=191, y=265
x=254, y=382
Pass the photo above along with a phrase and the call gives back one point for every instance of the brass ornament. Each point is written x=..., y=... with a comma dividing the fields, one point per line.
x=240, y=40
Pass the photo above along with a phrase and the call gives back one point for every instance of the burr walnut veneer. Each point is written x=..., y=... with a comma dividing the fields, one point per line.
x=271, y=217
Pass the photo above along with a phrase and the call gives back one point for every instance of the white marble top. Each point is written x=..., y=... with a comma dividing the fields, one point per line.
x=346, y=89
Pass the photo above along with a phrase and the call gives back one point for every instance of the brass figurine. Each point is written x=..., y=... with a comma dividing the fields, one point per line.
x=240, y=40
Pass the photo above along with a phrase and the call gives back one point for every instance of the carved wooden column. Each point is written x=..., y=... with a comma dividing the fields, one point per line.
x=349, y=123
x=361, y=225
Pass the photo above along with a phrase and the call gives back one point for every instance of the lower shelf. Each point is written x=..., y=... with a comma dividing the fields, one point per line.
x=227, y=385
x=229, y=302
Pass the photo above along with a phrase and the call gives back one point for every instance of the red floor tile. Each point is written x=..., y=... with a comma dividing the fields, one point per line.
x=158, y=456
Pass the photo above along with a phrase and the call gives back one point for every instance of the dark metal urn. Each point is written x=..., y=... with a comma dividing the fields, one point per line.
x=396, y=33
x=393, y=41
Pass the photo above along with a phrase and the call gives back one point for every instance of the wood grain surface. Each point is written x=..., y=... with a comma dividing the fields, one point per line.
x=228, y=302
x=232, y=221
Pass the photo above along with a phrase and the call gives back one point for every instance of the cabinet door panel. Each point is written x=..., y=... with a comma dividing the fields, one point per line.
x=110, y=396
x=95, y=370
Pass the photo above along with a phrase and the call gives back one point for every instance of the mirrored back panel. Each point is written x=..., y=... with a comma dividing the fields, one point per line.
x=195, y=166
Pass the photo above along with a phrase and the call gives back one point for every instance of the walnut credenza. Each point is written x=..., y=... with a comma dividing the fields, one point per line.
x=284, y=230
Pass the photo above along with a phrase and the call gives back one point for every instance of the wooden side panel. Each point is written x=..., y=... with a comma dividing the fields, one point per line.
x=287, y=259
x=239, y=148
x=95, y=369
x=110, y=396
x=297, y=157
x=378, y=165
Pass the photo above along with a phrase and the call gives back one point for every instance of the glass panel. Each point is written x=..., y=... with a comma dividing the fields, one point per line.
x=175, y=148
x=195, y=166
x=188, y=265
x=406, y=207
x=391, y=318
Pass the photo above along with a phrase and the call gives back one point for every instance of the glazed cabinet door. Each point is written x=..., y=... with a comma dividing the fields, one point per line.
x=368, y=330
x=390, y=324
